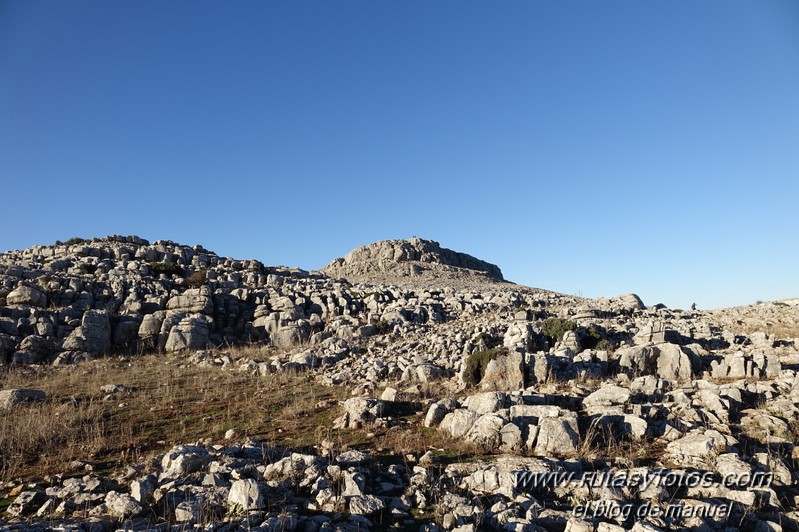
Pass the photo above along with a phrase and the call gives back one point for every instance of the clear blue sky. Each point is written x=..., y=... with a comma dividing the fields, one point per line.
x=586, y=147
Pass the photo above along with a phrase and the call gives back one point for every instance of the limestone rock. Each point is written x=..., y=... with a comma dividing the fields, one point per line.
x=244, y=496
x=359, y=412
x=505, y=372
x=365, y=505
x=122, y=505
x=14, y=397
x=27, y=295
x=189, y=333
x=406, y=258
x=558, y=436
x=694, y=449
x=93, y=336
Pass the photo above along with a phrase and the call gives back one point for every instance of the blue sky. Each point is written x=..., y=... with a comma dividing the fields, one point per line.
x=592, y=148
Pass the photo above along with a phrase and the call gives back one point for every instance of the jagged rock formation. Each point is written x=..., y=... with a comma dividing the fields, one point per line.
x=557, y=379
x=414, y=260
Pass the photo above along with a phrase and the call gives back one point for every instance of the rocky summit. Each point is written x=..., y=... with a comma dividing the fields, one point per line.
x=410, y=261
x=404, y=386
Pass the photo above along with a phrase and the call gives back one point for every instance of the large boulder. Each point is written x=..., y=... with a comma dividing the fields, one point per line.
x=292, y=334
x=607, y=395
x=458, y=423
x=697, y=448
x=666, y=361
x=505, y=372
x=93, y=336
x=244, y=496
x=183, y=460
x=738, y=366
x=13, y=397
x=192, y=301
x=486, y=431
x=122, y=505
x=673, y=363
x=35, y=349
x=192, y=332
x=487, y=402
x=558, y=436
x=27, y=295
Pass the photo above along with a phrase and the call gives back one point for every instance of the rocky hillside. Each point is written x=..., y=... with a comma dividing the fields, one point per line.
x=694, y=415
x=410, y=261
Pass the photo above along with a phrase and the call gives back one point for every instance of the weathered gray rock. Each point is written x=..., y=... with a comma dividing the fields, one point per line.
x=25, y=503
x=190, y=333
x=14, y=397
x=458, y=423
x=183, y=460
x=245, y=495
x=296, y=469
x=142, y=489
x=505, y=372
x=93, y=336
x=557, y=436
x=438, y=410
x=429, y=372
x=292, y=334
x=122, y=505
x=607, y=395
x=27, y=295
x=486, y=402
x=486, y=431
x=365, y=505
x=35, y=349
x=192, y=301
x=359, y=412
x=188, y=511
x=739, y=365
x=392, y=255
x=666, y=361
x=696, y=448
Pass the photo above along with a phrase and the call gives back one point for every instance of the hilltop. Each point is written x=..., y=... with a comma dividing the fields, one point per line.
x=412, y=261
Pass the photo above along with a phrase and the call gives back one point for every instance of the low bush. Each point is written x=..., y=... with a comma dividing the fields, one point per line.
x=168, y=268
x=477, y=362
x=555, y=328
x=595, y=337
x=197, y=279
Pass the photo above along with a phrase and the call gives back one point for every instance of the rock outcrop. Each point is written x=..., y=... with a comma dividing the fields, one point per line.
x=414, y=259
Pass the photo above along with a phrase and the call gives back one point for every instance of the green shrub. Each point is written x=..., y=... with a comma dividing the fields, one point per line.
x=592, y=337
x=168, y=268
x=477, y=362
x=555, y=328
x=71, y=242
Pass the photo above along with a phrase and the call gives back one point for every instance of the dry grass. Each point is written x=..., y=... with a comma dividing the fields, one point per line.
x=168, y=402
x=601, y=443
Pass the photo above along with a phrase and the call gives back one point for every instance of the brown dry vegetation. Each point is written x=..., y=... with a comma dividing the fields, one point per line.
x=169, y=401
